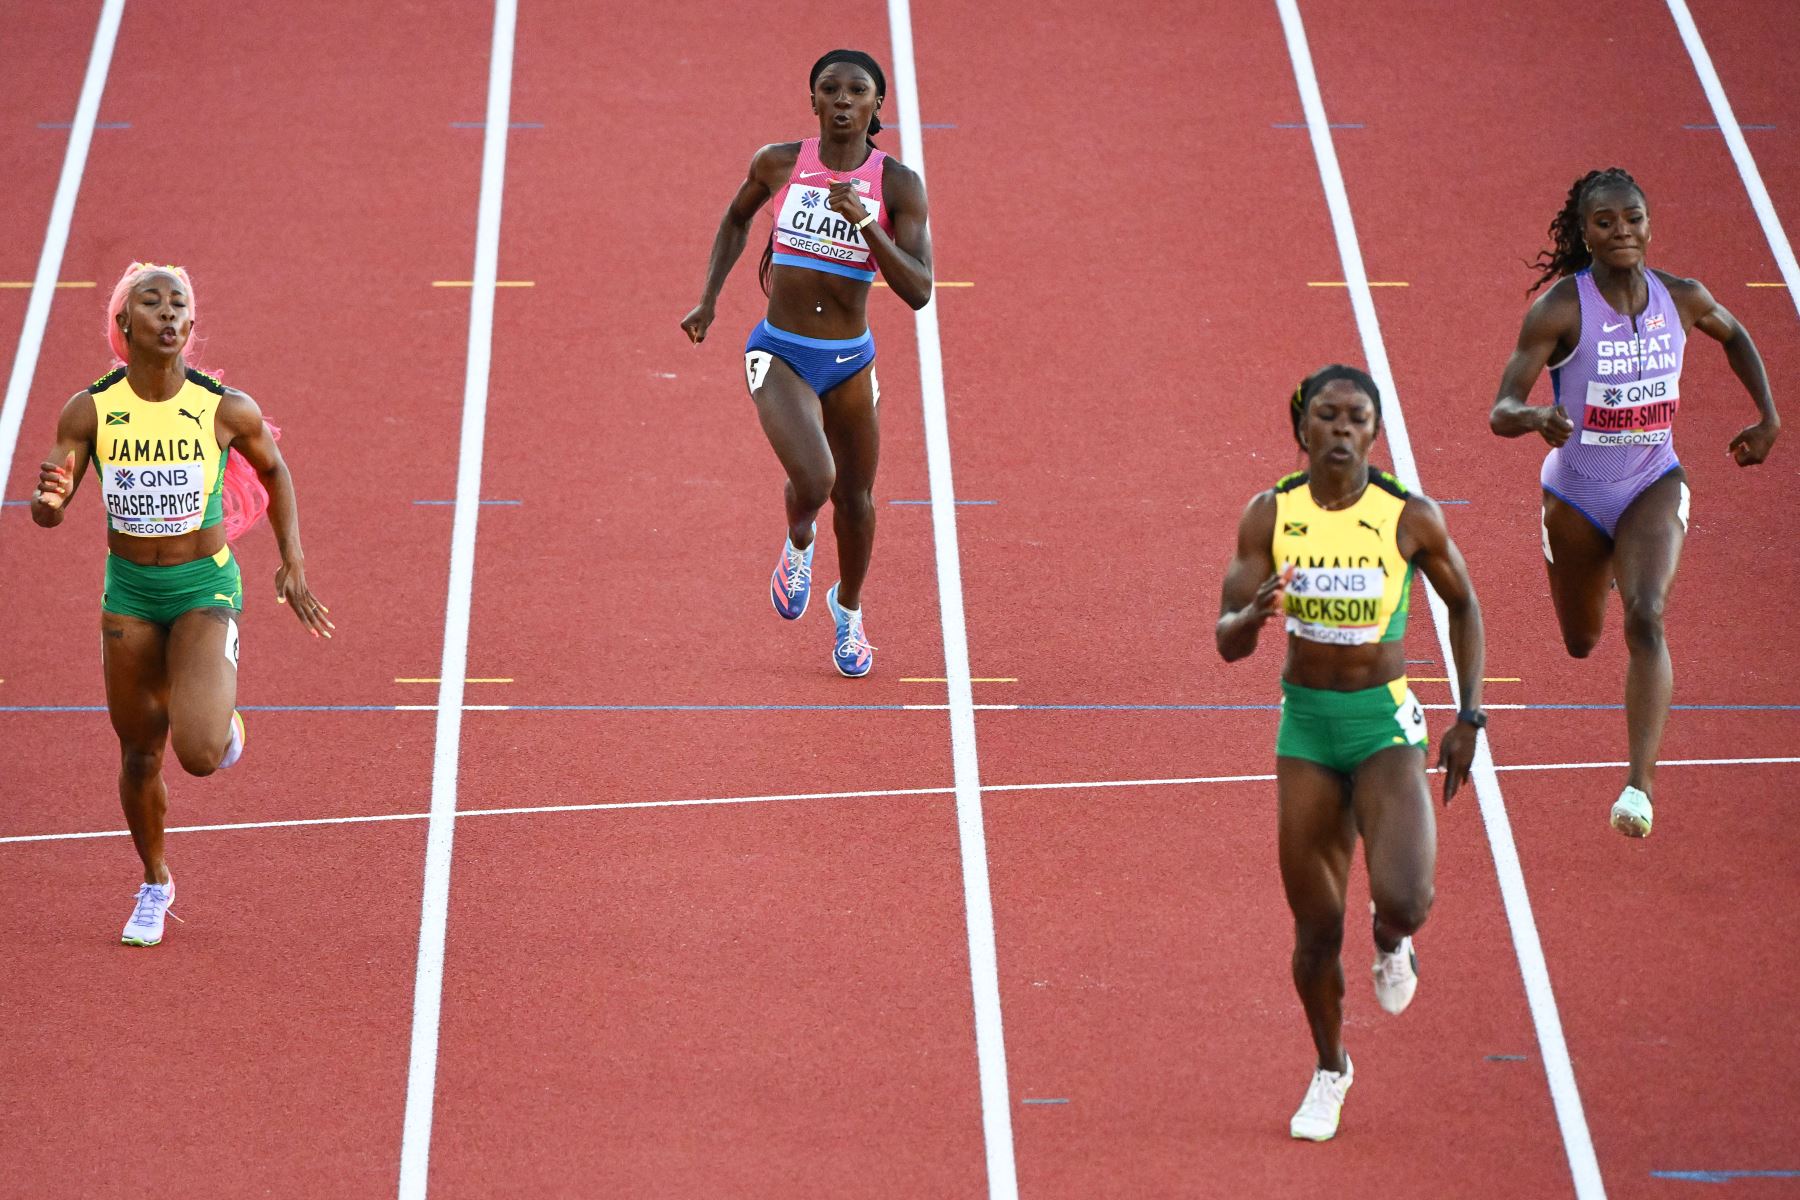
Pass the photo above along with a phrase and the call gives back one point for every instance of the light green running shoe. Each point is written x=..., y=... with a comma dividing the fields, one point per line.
x=1631, y=813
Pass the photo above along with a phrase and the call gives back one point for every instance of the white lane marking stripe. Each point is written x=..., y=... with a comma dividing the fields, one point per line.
x=434, y=911
x=56, y=236
x=984, y=971
x=1740, y=149
x=873, y=794
x=1578, y=1143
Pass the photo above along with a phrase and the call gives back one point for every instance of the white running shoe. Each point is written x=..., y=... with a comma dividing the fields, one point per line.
x=1317, y=1118
x=1631, y=813
x=1396, y=976
x=234, y=749
x=153, y=903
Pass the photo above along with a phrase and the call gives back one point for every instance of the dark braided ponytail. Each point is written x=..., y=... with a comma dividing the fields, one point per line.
x=1568, y=252
x=1315, y=383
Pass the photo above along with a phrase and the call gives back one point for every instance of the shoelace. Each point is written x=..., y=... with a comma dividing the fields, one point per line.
x=855, y=643
x=147, y=903
x=797, y=571
x=1323, y=1091
x=1396, y=966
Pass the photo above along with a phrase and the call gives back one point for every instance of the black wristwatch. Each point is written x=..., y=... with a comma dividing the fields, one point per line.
x=1471, y=716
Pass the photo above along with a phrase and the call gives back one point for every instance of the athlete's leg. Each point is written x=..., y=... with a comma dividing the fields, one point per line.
x=791, y=417
x=1399, y=830
x=1317, y=834
x=853, y=427
x=1579, y=559
x=202, y=686
x=1649, y=537
x=137, y=696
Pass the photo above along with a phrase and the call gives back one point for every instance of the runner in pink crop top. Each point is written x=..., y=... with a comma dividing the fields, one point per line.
x=844, y=210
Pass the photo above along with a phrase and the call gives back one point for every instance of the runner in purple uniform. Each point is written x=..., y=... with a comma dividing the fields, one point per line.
x=1614, y=333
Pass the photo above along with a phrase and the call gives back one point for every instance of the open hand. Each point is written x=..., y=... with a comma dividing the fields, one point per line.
x=1455, y=752
x=291, y=590
x=1271, y=594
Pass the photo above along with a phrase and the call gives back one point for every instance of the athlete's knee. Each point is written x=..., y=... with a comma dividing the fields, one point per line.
x=1403, y=906
x=1580, y=642
x=813, y=485
x=198, y=754
x=140, y=762
x=1644, y=622
x=1318, y=940
x=855, y=504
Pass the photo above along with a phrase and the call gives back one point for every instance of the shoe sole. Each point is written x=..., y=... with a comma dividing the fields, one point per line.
x=138, y=942
x=1631, y=826
x=1311, y=1137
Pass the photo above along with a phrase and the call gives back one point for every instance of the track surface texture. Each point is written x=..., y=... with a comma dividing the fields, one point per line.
x=727, y=951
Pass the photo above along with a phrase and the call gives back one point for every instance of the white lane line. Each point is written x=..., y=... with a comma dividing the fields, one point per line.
x=984, y=970
x=1578, y=1144
x=1740, y=149
x=873, y=794
x=434, y=912
x=56, y=236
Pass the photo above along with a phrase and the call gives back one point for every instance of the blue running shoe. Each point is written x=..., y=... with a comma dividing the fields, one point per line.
x=852, y=655
x=790, y=587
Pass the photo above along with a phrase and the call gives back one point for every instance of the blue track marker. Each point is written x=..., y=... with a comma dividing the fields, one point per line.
x=929, y=126
x=1031, y=1101
x=97, y=124
x=1302, y=125
x=452, y=503
x=1722, y=1176
x=1453, y=502
x=1506, y=1058
x=1715, y=128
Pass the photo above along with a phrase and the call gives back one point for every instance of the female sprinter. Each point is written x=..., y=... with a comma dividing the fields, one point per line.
x=1616, y=497
x=843, y=209
x=1332, y=549
x=159, y=434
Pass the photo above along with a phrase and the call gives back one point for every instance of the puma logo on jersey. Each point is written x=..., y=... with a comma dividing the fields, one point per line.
x=190, y=416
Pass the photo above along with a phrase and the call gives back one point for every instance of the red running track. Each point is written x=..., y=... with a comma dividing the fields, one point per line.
x=773, y=998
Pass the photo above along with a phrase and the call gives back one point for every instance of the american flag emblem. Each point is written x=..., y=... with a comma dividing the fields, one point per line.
x=1656, y=322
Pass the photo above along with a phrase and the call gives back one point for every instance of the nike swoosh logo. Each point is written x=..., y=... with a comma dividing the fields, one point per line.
x=1610, y=328
x=846, y=358
x=810, y=174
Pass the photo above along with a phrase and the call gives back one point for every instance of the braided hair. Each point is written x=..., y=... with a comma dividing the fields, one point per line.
x=1569, y=253
x=855, y=58
x=1315, y=383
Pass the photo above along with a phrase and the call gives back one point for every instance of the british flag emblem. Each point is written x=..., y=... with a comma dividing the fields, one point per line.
x=1656, y=322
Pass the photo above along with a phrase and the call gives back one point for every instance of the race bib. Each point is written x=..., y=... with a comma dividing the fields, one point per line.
x=807, y=224
x=1631, y=414
x=1340, y=606
x=159, y=500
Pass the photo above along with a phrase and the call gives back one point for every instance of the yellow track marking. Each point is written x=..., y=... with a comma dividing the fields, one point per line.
x=1780, y=285
x=936, y=283
x=1446, y=679
x=973, y=679
x=76, y=283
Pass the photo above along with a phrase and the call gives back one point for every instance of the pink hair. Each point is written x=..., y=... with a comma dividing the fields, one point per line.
x=245, y=498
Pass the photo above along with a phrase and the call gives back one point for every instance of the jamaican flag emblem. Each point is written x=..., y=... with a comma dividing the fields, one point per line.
x=1293, y=528
x=118, y=418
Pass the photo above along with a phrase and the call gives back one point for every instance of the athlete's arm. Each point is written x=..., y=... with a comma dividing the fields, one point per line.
x=769, y=170
x=242, y=423
x=1425, y=540
x=61, y=471
x=904, y=258
x=1700, y=311
x=1252, y=592
x=1551, y=324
